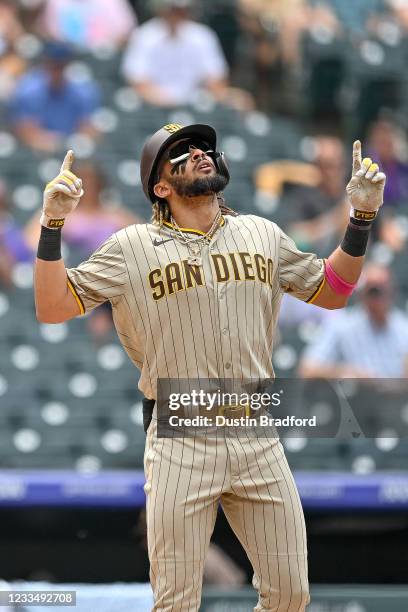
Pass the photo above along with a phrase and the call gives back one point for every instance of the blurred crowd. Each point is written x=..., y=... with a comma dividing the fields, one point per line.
x=277, y=52
x=334, y=68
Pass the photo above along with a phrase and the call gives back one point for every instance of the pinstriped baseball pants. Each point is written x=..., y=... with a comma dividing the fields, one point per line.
x=185, y=481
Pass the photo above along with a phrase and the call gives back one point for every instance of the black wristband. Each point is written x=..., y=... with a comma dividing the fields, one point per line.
x=49, y=246
x=356, y=237
x=361, y=222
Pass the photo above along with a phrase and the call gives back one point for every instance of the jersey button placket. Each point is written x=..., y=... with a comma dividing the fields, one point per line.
x=221, y=293
x=224, y=337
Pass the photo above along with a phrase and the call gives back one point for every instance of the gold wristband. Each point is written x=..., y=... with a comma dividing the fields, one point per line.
x=363, y=215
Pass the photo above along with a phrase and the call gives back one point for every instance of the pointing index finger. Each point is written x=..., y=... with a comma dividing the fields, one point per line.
x=356, y=156
x=68, y=161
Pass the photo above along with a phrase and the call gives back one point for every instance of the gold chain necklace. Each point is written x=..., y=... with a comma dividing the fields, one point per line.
x=196, y=243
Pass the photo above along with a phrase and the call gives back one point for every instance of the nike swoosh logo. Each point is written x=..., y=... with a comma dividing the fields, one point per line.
x=157, y=243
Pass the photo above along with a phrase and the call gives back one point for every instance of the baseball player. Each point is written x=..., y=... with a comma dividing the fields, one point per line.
x=195, y=294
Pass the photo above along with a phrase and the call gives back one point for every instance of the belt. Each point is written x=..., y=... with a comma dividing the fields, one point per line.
x=148, y=405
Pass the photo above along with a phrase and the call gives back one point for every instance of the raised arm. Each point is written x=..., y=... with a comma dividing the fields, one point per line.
x=54, y=301
x=343, y=268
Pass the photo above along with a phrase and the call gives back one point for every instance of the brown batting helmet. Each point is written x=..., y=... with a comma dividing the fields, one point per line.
x=156, y=145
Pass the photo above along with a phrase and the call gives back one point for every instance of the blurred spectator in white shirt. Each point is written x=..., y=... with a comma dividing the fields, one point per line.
x=170, y=58
x=88, y=24
x=369, y=340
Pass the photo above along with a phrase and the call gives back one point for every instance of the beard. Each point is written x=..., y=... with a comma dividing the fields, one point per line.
x=206, y=185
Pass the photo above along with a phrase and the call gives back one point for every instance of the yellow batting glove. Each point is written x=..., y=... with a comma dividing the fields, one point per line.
x=366, y=187
x=61, y=195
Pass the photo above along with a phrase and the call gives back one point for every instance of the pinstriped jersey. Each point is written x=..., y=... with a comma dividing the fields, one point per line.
x=177, y=320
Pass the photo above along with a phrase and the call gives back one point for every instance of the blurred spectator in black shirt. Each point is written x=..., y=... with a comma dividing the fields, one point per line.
x=310, y=196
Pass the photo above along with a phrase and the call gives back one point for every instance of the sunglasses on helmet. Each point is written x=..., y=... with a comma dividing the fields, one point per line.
x=182, y=150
